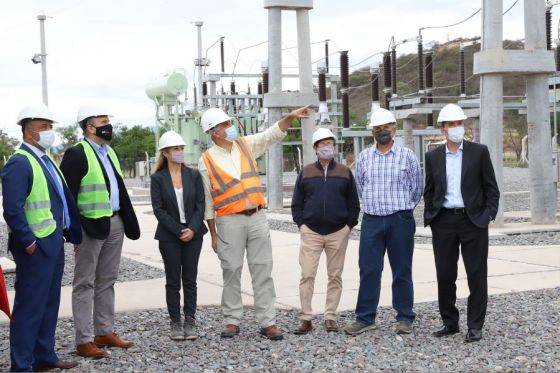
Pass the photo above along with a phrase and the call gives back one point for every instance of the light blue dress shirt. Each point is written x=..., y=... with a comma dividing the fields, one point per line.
x=453, y=166
x=106, y=163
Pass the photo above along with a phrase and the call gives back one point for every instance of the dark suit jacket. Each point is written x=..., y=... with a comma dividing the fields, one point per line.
x=17, y=179
x=164, y=203
x=74, y=166
x=478, y=184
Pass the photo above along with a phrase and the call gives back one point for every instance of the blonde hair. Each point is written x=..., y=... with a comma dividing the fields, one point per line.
x=161, y=162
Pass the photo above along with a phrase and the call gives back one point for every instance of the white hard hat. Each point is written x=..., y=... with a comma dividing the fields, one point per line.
x=35, y=111
x=212, y=117
x=169, y=139
x=380, y=117
x=88, y=111
x=321, y=134
x=451, y=113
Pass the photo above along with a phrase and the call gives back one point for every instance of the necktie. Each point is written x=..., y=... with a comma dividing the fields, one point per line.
x=59, y=188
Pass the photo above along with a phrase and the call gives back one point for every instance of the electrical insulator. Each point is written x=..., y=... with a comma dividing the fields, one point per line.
x=375, y=87
x=344, y=91
x=387, y=70
x=194, y=96
x=248, y=89
x=344, y=70
x=420, y=67
x=260, y=93
x=462, y=72
x=204, y=88
x=429, y=71
x=265, y=82
x=232, y=87
x=222, y=52
x=322, y=88
x=548, y=19
x=327, y=55
x=557, y=57
x=394, y=70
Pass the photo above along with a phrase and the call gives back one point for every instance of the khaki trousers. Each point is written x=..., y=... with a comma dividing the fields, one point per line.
x=95, y=274
x=312, y=245
x=238, y=234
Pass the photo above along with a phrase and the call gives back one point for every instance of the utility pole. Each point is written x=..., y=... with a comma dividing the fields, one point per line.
x=42, y=18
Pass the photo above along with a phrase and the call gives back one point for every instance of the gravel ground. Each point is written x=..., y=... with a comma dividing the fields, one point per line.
x=521, y=335
x=130, y=270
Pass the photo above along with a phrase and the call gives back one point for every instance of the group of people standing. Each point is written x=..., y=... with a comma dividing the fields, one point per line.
x=461, y=198
x=86, y=203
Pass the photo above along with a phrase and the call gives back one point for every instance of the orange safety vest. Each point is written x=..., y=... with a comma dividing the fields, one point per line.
x=229, y=194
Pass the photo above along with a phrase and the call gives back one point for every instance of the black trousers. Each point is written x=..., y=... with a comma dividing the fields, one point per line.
x=181, y=265
x=449, y=232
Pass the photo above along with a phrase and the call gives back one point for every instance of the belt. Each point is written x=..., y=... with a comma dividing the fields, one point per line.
x=455, y=210
x=249, y=212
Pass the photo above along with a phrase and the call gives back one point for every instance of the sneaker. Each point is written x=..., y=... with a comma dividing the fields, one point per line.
x=176, y=333
x=358, y=327
x=403, y=327
x=189, y=329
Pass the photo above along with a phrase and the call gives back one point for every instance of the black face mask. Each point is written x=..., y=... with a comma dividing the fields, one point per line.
x=105, y=132
x=383, y=137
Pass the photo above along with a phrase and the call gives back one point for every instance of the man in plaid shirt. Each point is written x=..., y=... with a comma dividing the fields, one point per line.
x=389, y=184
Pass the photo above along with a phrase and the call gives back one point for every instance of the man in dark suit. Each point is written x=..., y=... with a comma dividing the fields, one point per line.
x=461, y=198
x=95, y=179
x=41, y=215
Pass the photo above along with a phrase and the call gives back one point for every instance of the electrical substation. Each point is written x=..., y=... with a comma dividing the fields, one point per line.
x=214, y=87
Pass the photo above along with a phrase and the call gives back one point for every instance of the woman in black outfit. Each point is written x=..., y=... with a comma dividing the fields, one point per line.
x=178, y=203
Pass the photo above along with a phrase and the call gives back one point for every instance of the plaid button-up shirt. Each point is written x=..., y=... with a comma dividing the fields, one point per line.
x=388, y=182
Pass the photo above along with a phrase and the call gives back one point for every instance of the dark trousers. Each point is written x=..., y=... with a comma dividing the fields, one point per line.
x=394, y=233
x=451, y=231
x=181, y=263
x=35, y=313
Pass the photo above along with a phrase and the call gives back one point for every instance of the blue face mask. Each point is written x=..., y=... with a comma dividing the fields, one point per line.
x=231, y=133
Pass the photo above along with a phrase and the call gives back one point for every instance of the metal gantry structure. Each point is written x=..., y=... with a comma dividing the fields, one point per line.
x=258, y=111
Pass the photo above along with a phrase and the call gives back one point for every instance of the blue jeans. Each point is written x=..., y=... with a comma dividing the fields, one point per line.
x=394, y=233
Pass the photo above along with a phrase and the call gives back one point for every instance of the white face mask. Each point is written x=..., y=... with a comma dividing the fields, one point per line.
x=456, y=134
x=46, y=139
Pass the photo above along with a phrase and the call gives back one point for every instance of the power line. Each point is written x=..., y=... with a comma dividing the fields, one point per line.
x=454, y=24
x=512, y=5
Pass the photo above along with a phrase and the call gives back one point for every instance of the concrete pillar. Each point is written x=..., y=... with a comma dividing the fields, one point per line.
x=305, y=82
x=407, y=134
x=476, y=130
x=542, y=188
x=274, y=181
x=42, y=18
x=491, y=95
x=198, y=25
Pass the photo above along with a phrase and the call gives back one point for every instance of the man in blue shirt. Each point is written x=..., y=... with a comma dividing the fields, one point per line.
x=390, y=186
x=461, y=198
x=95, y=179
x=41, y=214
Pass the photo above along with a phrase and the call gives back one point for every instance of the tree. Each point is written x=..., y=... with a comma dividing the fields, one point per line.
x=131, y=145
x=69, y=135
x=7, y=146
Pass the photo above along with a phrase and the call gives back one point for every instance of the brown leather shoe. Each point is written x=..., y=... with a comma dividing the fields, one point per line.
x=330, y=326
x=61, y=364
x=272, y=332
x=112, y=340
x=90, y=350
x=304, y=328
x=229, y=331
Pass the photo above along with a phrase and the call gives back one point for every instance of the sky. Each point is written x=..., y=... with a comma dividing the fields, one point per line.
x=104, y=52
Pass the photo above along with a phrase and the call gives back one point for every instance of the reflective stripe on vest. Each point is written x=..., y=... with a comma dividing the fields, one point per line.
x=93, y=197
x=231, y=195
x=37, y=206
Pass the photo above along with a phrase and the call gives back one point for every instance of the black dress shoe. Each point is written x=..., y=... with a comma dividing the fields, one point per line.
x=473, y=335
x=61, y=364
x=446, y=330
